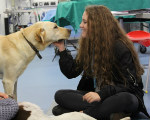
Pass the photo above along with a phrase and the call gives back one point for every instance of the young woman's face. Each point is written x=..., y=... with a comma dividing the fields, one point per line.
x=83, y=25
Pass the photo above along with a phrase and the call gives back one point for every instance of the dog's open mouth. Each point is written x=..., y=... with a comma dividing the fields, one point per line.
x=60, y=40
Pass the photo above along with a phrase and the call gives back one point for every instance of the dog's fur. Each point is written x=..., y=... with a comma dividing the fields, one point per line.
x=30, y=111
x=16, y=53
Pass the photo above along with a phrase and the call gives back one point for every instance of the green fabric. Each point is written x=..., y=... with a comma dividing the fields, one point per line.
x=70, y=13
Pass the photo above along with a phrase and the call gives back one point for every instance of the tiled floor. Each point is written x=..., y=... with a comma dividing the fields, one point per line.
x=43, y=78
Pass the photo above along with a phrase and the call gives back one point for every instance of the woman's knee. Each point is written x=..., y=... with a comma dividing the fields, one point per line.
x=9, y=108
x=128, y=101
x=13, y=105
x=8, y=102
x=128, y=98
x=59, y=95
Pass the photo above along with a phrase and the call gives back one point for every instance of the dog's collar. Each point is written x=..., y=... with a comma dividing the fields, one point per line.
x=33, y=47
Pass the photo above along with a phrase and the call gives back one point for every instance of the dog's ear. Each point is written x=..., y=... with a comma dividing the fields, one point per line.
x=22, y=114
x=40, y=35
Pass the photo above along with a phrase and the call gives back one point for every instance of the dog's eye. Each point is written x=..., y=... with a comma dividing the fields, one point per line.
x=55, y=27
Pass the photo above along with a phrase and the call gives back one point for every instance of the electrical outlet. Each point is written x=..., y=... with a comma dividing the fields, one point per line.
x=46, y=3
x=35, y=4
x=40, y=3
x=53, y=3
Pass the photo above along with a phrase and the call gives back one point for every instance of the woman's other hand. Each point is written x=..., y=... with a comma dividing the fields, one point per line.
x=3, y=96
x=91, y=97
x=60, y=45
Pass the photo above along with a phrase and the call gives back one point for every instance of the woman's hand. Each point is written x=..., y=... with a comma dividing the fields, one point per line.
x=3, y=96
x=91, y=97
x=59, y=45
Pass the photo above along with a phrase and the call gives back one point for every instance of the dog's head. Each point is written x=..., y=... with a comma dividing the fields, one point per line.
x=51, y=32
x=45, y=33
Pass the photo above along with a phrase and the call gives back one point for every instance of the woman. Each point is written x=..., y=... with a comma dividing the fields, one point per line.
x=111, y=84
x=8, y=107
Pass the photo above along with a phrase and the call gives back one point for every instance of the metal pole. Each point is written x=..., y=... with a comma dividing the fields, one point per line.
x=147, y=78
x=30, y=3
x=6, y=3
x=121, y=22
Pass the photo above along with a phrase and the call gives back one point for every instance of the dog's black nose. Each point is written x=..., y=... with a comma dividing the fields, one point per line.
x=69, y=30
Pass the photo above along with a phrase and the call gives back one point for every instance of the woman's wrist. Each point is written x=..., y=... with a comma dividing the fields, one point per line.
x=62, y=48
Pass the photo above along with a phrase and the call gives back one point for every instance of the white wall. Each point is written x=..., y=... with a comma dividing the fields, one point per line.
x=24, y=19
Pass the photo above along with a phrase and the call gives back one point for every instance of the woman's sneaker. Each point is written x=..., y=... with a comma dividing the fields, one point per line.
x=58, y=110
x=119, y=116
x=126, y=118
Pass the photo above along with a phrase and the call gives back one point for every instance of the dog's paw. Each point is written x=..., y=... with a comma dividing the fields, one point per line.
x=11, y=96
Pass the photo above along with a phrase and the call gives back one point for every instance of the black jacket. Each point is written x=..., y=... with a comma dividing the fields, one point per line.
x=126, y=65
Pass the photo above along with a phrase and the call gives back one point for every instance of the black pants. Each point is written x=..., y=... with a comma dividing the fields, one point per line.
x=121, y=102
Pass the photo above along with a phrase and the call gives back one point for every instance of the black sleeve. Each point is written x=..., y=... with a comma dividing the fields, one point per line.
x=68, y=65
x=86, y=84
x=110, y=90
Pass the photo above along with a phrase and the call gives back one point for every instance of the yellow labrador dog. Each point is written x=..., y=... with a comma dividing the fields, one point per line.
x=18, y=49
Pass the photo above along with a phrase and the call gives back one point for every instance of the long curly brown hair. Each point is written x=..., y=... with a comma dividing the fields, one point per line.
x=95, y=53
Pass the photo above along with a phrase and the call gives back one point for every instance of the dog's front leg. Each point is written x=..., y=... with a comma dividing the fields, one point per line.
x=1, y=76
x=8, y=86
x=15, y=91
